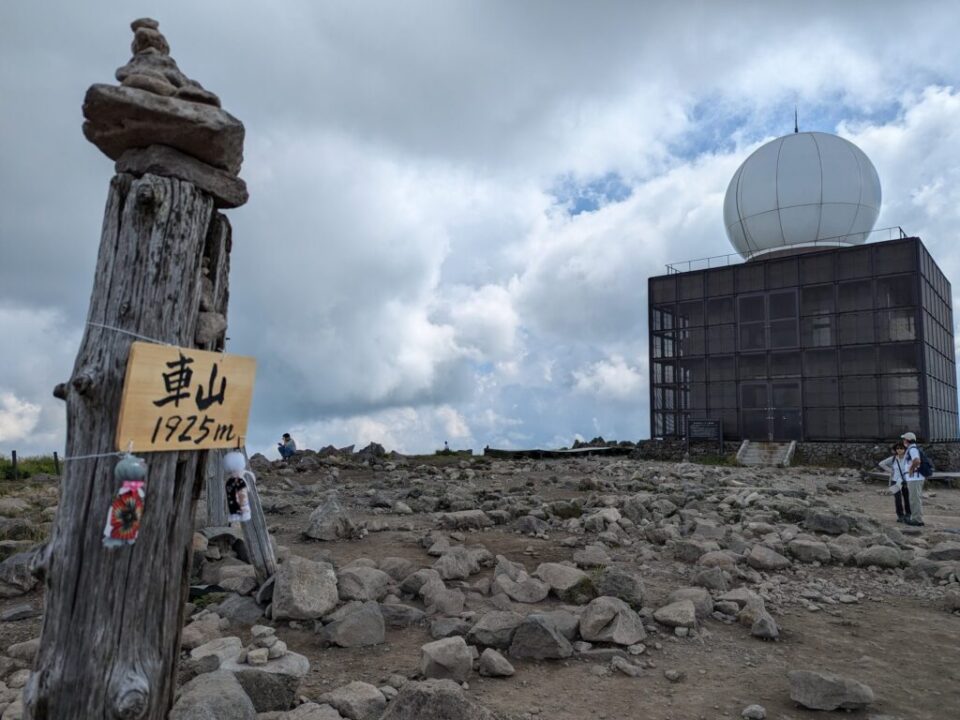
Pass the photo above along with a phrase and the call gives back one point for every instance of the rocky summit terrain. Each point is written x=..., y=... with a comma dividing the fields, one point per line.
x=469, y=588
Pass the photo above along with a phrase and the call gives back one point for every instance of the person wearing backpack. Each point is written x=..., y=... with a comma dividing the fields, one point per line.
x=895, y=464
x=919, y=468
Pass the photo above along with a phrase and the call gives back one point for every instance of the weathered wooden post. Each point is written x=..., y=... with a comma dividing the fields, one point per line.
x=13, y=462
x=112, y=621
x=215, y=490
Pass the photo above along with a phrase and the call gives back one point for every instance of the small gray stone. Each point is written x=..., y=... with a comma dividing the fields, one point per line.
x=493, y=664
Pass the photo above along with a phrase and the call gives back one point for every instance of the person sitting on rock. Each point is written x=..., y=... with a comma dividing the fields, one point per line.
x=287, y=447
x=896, y=465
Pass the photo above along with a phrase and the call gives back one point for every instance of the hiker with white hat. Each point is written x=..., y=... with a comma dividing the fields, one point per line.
x=914, y=479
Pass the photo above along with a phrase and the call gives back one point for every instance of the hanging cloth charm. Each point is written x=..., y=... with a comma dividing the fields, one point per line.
x=238, y=502
x=126, y=510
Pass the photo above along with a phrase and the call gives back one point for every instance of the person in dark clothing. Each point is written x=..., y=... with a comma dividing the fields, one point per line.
x=287, y=447
x=897, y=467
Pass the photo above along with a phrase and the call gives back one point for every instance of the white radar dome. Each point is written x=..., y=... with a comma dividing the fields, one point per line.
x=801, y=190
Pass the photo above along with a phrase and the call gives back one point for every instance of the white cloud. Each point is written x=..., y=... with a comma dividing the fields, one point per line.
x=403, y=271
x=610, y=379
x=18, y=418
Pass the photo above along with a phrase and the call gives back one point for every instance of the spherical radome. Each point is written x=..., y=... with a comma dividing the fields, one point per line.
x=802, y=189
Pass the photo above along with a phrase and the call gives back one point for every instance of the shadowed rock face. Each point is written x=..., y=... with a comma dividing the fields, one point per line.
x=156, y=106
x=828, y=691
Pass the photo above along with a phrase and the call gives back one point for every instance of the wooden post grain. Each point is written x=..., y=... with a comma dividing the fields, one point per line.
x=110, y=640
x=215, y=490
x=256, y=536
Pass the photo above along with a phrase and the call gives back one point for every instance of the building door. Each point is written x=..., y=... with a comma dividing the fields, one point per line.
x=770, y=410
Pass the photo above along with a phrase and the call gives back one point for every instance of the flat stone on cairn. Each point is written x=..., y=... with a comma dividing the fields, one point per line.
x=161, y=122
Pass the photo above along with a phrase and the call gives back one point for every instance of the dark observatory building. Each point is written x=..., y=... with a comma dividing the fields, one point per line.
x=819, y=335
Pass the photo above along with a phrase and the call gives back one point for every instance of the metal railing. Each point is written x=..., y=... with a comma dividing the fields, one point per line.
x=715, y=261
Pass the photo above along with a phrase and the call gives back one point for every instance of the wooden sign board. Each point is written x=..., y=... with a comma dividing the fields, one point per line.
x=184, y=399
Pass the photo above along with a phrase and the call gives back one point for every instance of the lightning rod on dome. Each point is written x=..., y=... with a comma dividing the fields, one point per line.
x=796, y=125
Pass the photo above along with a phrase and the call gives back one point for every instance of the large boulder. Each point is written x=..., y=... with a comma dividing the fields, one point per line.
x=826, y=522
x=274, y=685
x=16, y=574
x=304, y=589
x=213, y=696
x=396, y=567
x=700, y=598
x=882, y=556
x=610, y=619
x=356, y=701
x=331, y=522
x=568, y=583
x=495, y=629
x=465, y=520
x=622, y=583
x=809, y=551
x=682, y=613
x=761, y=557
x=524, y=589
x=828, y=691
x=362, y=627
x=435, y=700
x=362, y=583
x=945, y=551
x=449, y=658
x=538, y=638
x=205, y=628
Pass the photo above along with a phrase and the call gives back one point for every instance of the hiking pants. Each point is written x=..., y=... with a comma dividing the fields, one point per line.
x=914, y=488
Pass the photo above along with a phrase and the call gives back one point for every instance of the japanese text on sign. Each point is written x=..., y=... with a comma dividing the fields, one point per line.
x=184, y=399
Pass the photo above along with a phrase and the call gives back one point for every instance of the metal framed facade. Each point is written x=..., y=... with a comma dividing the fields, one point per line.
x=849, y=343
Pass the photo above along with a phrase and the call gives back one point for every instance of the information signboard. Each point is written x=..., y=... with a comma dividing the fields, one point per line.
x=184, y=399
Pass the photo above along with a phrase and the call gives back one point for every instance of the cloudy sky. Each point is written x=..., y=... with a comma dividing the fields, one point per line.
x=456, y=204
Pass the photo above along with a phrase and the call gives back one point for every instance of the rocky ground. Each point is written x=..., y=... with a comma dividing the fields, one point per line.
x=454, y=587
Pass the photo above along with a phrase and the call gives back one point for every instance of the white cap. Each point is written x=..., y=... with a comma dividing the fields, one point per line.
x=909, y=436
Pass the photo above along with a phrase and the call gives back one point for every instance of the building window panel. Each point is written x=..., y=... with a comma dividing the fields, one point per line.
x=720, y=310
x=819, y=331
x=858, y=361
x=749, y=277
x=721, y=339
x=690, y=286
x=690, y=342
x=898, y=358
x=720, y=282
x=663, y=290
x=897, y=325
x=855, y=263
x=861, y=423
x=691, y=371
x=817, y=268
x=896, y=291
x=753, y=366
x=856, y=328
x=895, y=258
x=784, y=364
x=784, y=334
x=722, y=369
x=821, y=392
x=690, y=314
x=855, y=295
x=752, y=308
x=753, y=336
x=818, y=300
x=819, y=363
x=860, y=390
